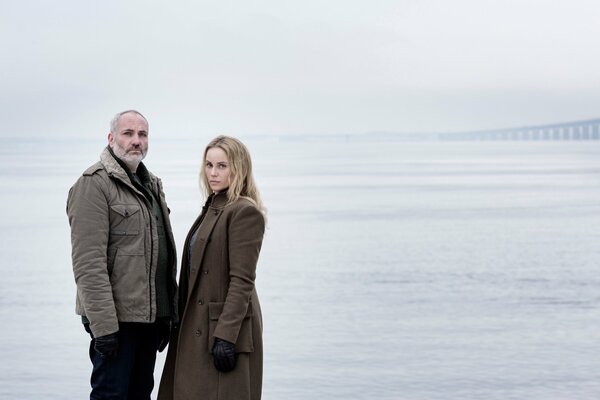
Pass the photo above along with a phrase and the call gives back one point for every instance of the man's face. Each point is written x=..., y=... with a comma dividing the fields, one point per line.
x=130, y=141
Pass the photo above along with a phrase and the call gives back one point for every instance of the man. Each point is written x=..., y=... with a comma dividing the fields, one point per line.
x=124, y=262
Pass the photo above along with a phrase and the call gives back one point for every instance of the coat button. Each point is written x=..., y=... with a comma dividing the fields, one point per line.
x=206, y=272
x=200, y=302
x=198, y=332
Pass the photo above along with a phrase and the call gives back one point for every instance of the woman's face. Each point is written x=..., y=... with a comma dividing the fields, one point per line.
x=217, y=169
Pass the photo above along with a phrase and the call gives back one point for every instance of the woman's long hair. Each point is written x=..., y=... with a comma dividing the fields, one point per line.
x=241, y=180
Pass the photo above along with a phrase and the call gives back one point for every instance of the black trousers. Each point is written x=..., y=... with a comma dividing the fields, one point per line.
x=130, y=374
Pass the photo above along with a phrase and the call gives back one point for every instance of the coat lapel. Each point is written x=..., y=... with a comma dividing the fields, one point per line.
x=202, y=238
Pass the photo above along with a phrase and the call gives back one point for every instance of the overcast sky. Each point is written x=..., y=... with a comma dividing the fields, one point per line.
x=292, y=67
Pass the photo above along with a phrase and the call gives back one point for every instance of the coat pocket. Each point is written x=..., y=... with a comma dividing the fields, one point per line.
x=129, y=281
x=125, y=219
x=245, y=342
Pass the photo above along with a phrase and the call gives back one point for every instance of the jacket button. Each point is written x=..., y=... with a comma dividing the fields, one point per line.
x=200, y=302
x=198, y=332
x=206, y=272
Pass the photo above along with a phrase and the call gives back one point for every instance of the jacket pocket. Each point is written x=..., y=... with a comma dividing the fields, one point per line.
x=125, y=219
x=129, y=281
x=245, y=342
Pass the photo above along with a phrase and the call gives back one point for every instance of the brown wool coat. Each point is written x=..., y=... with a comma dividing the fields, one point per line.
x=217, y=298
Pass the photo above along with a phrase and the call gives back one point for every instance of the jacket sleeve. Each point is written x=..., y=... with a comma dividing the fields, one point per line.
x=88, y=212
x=245, y=231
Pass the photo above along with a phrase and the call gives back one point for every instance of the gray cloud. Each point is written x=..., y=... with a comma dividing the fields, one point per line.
x=293, y=67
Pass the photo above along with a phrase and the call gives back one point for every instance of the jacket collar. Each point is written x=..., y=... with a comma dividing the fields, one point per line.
x=118, y=169
x=218, y=200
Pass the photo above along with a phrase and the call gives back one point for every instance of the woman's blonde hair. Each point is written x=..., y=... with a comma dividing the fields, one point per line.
x=241, y=180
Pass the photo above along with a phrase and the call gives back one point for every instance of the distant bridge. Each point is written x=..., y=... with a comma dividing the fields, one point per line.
x=578, y=130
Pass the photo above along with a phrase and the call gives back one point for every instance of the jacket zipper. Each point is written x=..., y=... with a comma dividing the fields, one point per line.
x=151, y=216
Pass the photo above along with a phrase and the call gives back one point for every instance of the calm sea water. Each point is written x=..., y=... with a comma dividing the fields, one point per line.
x=391, y=270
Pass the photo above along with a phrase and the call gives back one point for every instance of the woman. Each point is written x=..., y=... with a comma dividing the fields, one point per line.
x=216, y=353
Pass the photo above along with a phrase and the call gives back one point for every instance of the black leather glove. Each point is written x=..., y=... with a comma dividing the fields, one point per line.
x=86, y=326
x=107, y=345
x=164, y=333
x=223, y=355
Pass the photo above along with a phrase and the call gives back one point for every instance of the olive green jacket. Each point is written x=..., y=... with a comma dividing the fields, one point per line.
x=115, y=247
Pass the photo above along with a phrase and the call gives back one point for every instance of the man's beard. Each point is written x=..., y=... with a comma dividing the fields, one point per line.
x=128, y=158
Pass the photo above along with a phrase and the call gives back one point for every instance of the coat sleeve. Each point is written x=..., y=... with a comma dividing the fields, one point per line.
x=88, y=212
x=245, y=235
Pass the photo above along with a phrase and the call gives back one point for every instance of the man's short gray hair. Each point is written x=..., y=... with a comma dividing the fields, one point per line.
x=115, y=121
